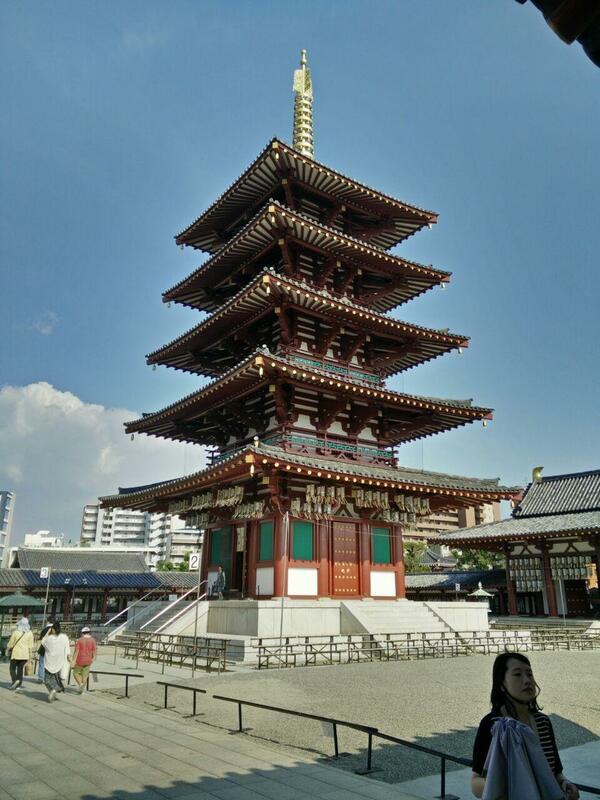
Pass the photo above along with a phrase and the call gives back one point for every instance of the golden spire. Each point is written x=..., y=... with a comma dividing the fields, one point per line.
x=303, y=114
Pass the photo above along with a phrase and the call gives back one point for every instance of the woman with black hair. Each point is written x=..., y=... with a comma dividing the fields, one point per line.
x=56, y=655
x=514, y=694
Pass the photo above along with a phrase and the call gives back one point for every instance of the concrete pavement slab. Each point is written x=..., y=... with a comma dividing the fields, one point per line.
x=94, y=747
x=33, y=790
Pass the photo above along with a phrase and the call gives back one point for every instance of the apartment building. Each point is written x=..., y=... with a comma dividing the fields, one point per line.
x=7, y=511
x=118, y=527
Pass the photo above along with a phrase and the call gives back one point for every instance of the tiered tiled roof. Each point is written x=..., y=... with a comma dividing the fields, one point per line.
x=525, y=528
x=469, y=491
x=89, y=579
x=260, y=297
x=447, y=580
x=262, y=234
x=554, y=505
x=560, y=494
x=262, y=367
x=78, y=559
x=253, y=188
x=300, y=266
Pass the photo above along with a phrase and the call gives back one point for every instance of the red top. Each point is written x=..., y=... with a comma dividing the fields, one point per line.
x=86, y=651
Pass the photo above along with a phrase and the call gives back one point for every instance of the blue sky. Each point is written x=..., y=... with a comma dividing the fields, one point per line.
x=123, y=121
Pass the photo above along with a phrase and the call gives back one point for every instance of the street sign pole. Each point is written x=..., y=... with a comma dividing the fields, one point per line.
x=48, y=573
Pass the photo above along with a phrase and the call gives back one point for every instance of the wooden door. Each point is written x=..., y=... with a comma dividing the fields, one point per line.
x=578, y=601
x=345, y=559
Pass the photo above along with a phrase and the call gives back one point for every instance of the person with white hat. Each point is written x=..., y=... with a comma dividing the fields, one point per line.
x=83, y=658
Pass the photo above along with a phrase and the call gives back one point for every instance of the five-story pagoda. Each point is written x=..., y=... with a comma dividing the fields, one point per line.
x=303, y=496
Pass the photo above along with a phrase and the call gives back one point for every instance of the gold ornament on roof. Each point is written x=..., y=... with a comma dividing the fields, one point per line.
x=303, y=112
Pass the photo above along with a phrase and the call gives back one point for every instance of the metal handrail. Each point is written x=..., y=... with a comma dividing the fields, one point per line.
x=164, y=610
x=143, y=646
x=183, y=611
x=135, y=602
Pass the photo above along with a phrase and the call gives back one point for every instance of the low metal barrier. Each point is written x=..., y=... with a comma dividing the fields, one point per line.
x=126, y=675
x=370, y=731
x=444, y=757
x=193, y=689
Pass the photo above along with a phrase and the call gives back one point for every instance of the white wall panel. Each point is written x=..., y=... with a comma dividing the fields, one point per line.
x=264, y=580
x=383, y=584
x=302, y=581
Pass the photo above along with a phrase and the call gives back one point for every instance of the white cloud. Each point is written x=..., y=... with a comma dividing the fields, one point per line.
x=58, y=453
x=46, y=323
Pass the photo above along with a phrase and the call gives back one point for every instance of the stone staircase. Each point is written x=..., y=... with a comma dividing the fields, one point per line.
x=165, y=619
x=390, y=617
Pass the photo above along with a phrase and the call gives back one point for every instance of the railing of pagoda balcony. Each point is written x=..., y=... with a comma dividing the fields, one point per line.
x=336, y=369
x=359, y=452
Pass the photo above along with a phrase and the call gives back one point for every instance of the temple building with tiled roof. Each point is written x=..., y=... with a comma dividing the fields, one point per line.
x=551, y=542
x=304, y=496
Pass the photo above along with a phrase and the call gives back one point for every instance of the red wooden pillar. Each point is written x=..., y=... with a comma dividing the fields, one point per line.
x=510, y=588
x=399, y=561
x=323, y=533
x=204, y=563
x=548, y=582
x=252, y=531
x=67, y=605
x=279, y=554
x=365, y=557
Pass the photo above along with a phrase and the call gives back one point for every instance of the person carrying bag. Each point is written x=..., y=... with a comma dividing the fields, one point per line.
x=19, y=647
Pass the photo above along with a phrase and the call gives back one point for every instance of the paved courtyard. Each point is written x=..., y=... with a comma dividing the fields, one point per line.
x=98, y=746
x=94, y=747
x=437, y=703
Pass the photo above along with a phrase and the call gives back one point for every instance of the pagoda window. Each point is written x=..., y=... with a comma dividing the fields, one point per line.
x=265, y=541
x=302, y=540
x=382, y=550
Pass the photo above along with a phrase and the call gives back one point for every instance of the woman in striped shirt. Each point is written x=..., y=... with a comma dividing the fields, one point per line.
x=514, y=694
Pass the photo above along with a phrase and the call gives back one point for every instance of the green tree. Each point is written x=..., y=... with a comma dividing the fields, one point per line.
x=185, y=564
x=164, y=566
x=478, y=559
x=413, y=553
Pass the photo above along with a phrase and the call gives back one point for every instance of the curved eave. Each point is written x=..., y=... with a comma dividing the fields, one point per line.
x=275, y=221
x=264, y=459
x=247, y=378
x=260, y=297
x=266, y=172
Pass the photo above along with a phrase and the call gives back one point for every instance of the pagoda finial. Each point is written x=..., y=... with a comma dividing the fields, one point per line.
x=303, y=113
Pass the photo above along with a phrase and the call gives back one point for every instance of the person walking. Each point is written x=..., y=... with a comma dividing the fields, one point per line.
x=514, y=703
x=83, y=658
x=56, y=656
x=40, y=669
x=19, y=647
